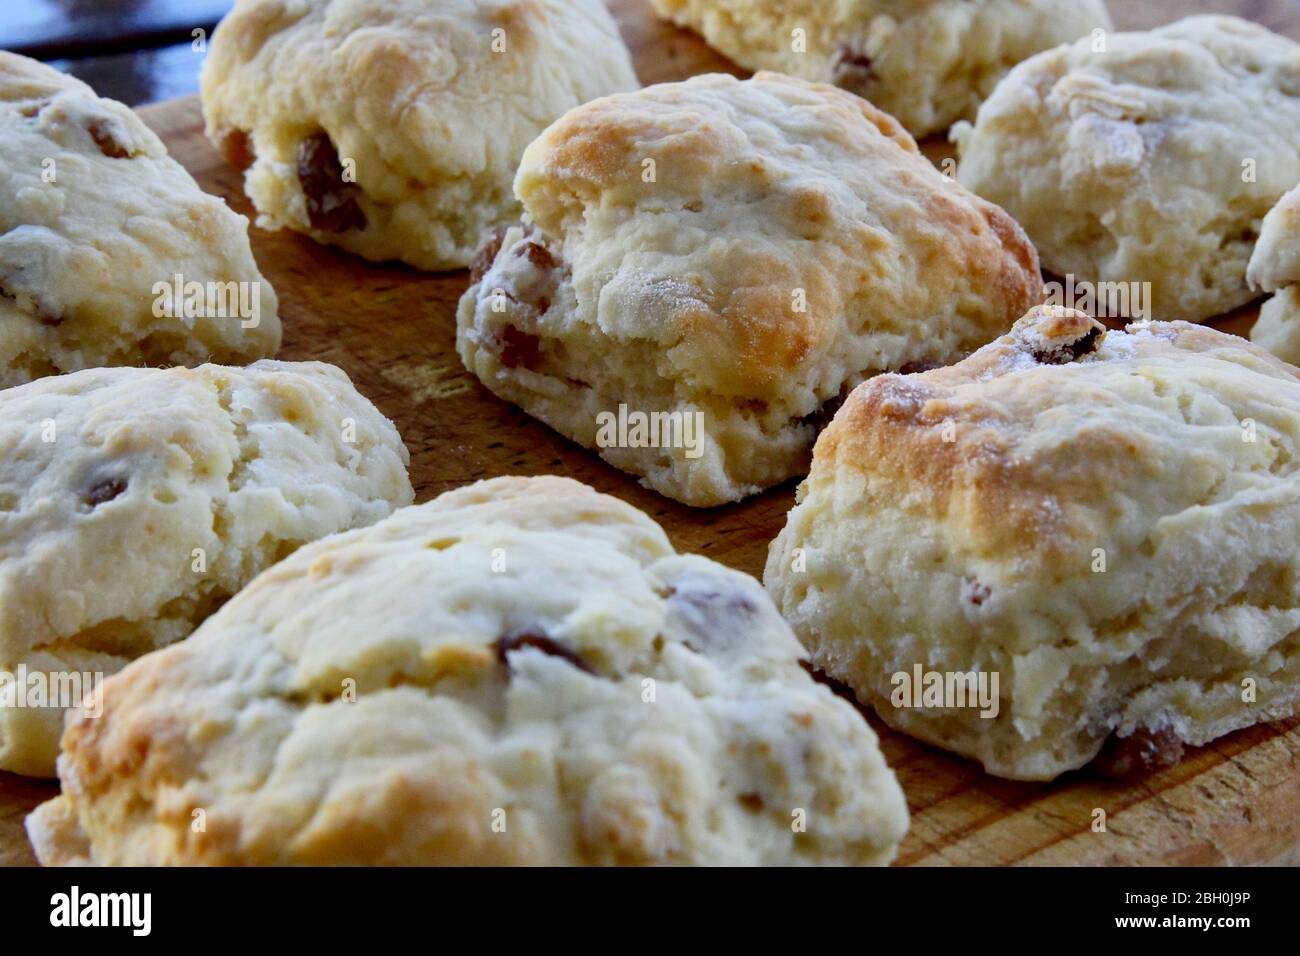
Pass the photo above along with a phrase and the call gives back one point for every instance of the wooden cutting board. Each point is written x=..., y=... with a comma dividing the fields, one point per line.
x=393, y=330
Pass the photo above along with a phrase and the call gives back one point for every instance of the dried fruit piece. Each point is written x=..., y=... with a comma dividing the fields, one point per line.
x=975, y=593
x=540, y=642
x=1071, y=352
x=822, y=416
x=719, y=619
x=851, y=64
x=1142, y=752
x=519, y=349
x=487, y=255
x=104, y=491
x=331, y=203
x=539, y=256
x=101, y=131
x=237, y=147
x=917, y=367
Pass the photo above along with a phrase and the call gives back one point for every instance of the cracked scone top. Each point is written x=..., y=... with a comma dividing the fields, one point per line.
x=740, y=251
x=134, y=501
x=1275, y=267
x=393, y=128
x=926, y=62
x=1107, y=521
x=521, y=671
x=93, y=215
x=1151, y=161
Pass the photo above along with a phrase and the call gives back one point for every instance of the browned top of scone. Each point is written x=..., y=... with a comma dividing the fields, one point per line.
x=390, y=696
x=1048, y=438
x=769, y=235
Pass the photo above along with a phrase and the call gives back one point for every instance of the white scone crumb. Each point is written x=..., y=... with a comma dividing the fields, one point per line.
x=393, y=128
x=521, y=671
x=133, y=502
x=94, y=216
x=1107, y=522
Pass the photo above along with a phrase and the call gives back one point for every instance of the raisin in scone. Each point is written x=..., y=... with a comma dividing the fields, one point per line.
x=730, y=257
x=133, y=502
x=1275, y=267
x=393, y=128
x=518, y=672
x=1106, y=522
x=96, y=223
x=926, y=62
x=1152, y=161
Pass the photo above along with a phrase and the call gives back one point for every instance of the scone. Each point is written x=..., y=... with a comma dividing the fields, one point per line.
x=1275, y=267
x=1098, y=529
x=393, y=128
x=133, y=502
x=521, y=671
x=98, y=229
x=1150, y=163
x=926, y=62
x=706, y=267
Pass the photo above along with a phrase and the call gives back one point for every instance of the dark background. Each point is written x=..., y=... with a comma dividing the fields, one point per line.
x=136, y=51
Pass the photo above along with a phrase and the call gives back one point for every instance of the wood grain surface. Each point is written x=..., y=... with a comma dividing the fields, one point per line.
x=1236, y=801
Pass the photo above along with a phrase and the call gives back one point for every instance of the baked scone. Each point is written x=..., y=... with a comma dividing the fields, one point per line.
x=521, y=671
x=393, y=128
x=1105, y=522
x=926, y=62
x=737, y=255
x=1153, y=161
x=134, y=501
x=96, y=223
x=1275, y=267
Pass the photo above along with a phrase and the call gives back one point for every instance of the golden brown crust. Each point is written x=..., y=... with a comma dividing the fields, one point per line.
x=747, y=249
x=971, y=470
x=501, y=710
x=895, y=425
x=739, y=325
x=1105, y=522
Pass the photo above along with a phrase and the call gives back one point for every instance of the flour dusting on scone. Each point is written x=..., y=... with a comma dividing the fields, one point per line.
x=518, y=672
x=133, y=502
x=727, y=259
x=1098, y=528
x=1150, y=159
x=1275, y=267
x=98, y=226
x=393, y=128
x=926, y=62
